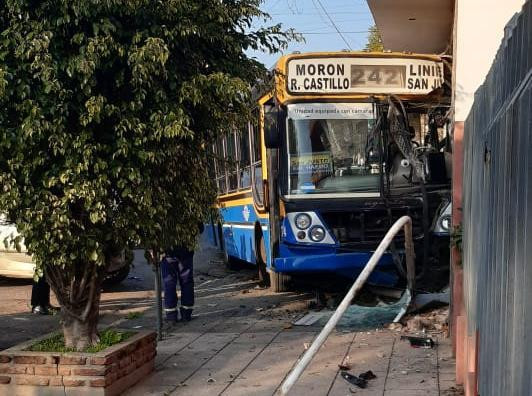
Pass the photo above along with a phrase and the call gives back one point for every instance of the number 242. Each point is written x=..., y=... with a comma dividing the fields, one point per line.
x=375, y=76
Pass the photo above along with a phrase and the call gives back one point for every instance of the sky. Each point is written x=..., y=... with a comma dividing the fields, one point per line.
x=318, y=21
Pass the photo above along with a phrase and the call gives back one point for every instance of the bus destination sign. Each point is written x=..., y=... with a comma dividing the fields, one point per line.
x=364, y=75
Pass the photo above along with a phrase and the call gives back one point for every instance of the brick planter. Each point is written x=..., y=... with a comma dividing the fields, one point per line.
x=108, y=372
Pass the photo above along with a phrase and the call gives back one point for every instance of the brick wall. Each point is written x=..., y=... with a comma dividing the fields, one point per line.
x=109, y=372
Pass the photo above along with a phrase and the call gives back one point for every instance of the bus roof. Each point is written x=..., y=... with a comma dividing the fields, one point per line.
x=355, y=54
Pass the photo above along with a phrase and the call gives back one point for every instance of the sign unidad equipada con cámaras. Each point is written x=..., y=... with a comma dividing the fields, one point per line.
x=363, y=75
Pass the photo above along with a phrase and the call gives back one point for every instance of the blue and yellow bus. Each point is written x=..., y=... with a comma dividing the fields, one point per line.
x=343, y=145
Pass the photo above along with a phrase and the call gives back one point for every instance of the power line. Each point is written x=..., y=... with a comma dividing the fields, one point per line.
x=335, y=27
x=314, y=26
x=336, y=32
x=317, y=13
x=320, y=14
x=271, y=7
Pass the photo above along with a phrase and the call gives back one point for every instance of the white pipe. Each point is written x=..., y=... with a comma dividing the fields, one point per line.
x=405, y=222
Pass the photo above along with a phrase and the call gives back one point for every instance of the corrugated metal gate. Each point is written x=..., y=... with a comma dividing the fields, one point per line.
x=497, y=216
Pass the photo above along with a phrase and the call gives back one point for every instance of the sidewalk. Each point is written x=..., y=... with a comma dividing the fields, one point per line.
x=242, y=342
x=253, y=356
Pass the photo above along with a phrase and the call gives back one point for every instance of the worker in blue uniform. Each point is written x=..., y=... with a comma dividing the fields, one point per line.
x=177, y=266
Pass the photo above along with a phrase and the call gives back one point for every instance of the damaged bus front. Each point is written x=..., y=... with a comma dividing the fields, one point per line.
x=355, y=141
x=342, y=146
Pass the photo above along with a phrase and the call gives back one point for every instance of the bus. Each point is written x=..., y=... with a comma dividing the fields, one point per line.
x=342, y=145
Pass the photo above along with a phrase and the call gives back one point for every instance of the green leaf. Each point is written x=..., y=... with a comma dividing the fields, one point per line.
x=94, y=217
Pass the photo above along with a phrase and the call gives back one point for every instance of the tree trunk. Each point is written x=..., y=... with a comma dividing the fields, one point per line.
x=78, y=292
x=79, y=333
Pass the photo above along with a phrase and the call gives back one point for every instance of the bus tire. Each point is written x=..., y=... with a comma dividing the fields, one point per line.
x=260, y=257
x=228, y=260
x=279, y=282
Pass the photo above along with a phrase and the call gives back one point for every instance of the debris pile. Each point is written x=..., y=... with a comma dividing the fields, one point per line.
x=434, y=322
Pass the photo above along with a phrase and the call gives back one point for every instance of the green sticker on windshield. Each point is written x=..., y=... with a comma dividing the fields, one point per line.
x=309, y=164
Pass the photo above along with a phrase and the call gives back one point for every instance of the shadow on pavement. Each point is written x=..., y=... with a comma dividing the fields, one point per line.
x=4, y=281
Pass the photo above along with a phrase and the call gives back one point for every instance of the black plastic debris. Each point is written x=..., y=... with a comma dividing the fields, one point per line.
x=368, y=375
x=353, y=379
x=419, y=342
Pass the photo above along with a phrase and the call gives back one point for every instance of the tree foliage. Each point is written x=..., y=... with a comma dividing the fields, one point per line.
x=374, y=43
x=108, y=108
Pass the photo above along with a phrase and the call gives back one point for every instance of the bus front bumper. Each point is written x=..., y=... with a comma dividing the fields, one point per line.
x=345, y=264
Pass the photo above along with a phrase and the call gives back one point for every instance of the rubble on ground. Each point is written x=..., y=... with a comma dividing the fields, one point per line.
x=434, y=321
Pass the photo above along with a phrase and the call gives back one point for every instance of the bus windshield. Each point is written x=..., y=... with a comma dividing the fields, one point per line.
x=331, y=150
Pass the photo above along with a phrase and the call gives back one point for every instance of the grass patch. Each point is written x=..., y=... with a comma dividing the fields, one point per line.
x=133, y=315
x=56, y=343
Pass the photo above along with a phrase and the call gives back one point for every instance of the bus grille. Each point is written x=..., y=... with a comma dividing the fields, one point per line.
x=367, y=227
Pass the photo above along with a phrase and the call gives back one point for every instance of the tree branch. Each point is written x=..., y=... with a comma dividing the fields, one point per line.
x=84, y=281
x=92, y=289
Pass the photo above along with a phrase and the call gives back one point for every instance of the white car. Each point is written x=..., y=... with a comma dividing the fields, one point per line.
x=12, y=263
x=15, y=264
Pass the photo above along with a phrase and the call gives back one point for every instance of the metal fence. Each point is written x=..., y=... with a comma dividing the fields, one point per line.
x=497, y=216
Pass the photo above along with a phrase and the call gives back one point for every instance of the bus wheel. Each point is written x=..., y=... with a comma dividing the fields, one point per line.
x=228, y=260
x=279, y=282
x=260, y=259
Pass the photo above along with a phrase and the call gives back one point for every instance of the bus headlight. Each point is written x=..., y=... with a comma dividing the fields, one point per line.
x=317, y=233
x=306, y=228
x=445, y=222
x=302, y=221
x=442, y=223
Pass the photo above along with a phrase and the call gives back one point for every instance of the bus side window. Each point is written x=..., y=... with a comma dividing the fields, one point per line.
x=256, y=160
x=211, y=163
x=219, y=162
x=232, y=163
x=244, y=160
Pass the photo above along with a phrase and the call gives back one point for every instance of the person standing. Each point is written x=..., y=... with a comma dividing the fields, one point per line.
x=178, y=266
x=40, y=298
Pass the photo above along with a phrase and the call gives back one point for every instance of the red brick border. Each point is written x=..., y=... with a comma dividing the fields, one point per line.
x=108, y=372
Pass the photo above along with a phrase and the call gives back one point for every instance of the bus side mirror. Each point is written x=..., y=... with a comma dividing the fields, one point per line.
x=274, y=125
